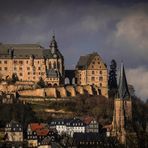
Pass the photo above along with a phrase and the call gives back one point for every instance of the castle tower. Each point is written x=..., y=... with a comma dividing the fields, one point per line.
x=122, y=108
x=53, y=45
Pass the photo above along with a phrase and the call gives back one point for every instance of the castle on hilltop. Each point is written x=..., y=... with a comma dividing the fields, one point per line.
x=31, y=62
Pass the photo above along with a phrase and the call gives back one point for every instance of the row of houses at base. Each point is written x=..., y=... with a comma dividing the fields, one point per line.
x=41, y=135
x=76, y=125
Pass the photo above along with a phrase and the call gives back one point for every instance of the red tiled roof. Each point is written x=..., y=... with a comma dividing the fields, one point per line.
x=42, y=132
x=87, y=120
x=41, y=129
x=36, y=126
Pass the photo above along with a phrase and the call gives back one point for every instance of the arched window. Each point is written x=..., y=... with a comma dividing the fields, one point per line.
x=54, y=65
x=50, y=65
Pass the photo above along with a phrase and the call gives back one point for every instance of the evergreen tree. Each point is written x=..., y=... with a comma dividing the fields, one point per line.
x=41, y=83
x=113, y=76
x=14, y=78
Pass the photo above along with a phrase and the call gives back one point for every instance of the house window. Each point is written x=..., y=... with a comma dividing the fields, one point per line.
x=100, y=84
x=93, y=72
x=5, y=68
x=21, y=74
x=28, y=73
x=26, y=62
x=100, y=72
x=39, y=68
x=0, y=62
x=15, y=68
x=0, y=68
x=28, y=68
x=5, y=62
x=20, y=68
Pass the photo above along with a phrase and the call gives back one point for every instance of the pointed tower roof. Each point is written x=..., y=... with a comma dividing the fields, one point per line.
x=53, y=42
x=123, y=91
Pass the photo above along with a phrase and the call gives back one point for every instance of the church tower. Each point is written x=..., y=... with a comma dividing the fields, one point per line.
x=53, y=45
x=122, y=108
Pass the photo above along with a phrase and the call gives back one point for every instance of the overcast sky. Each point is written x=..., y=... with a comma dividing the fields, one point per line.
x=116, y=29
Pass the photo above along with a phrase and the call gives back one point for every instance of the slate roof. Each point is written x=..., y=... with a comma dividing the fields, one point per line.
x=26, y=50
x=87, y=137
x=52, y=73
x=84, y=61
x=76, y=123
x=123, y=91
x=14, y=126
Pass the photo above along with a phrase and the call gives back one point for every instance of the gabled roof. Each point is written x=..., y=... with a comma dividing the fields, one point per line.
x=37, y=126
x=76, y=122
x=84, y=61
x=41, y=129
x=123, y=92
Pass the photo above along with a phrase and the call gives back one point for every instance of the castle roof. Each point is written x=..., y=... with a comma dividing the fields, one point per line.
x=84, y=61
x=123, y=91
x=24, y=51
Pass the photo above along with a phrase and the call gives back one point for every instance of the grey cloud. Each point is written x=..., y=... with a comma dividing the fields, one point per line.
x=138, y=77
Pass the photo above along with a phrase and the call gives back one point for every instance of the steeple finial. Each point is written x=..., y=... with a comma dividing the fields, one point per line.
x=123, y=91
x=53, y=36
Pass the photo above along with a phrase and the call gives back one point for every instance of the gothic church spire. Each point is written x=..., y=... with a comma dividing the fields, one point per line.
x=123, y=92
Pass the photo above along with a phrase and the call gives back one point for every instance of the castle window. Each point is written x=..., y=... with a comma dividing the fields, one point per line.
x=54, y=65
x=28, y=68
x=28, y=73
x=39, y=68
x=20, y=62
x=49, y=65
x=20, y=68
x=21, y=74
x=5, y=68
x=92, y=78
x=100, y=78
x=5, y=62
x=93, y=72
x=100, y=84
x=38, y=62
x=15, y=62
x=100, y=72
